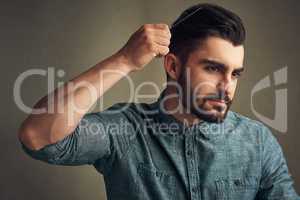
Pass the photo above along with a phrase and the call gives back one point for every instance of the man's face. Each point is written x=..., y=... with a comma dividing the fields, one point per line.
x=209, y=78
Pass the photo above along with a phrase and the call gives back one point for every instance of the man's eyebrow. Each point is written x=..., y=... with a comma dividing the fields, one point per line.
x=212, y=62
x=219, y=64
x=239, y=70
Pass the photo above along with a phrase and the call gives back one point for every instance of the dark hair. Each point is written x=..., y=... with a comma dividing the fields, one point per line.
x=200, y=21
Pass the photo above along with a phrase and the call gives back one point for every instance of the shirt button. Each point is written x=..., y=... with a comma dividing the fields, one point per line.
x=237, y=182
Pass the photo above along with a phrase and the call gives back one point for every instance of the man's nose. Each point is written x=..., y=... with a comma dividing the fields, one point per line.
x=224, y=85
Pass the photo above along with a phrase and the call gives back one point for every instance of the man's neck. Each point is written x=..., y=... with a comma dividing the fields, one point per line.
x=173, y=106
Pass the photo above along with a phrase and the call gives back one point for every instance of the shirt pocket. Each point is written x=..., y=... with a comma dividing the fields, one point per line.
x=237, y=188
x=154, y=183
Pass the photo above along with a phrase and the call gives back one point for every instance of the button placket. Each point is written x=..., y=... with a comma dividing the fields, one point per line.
x=192, y=171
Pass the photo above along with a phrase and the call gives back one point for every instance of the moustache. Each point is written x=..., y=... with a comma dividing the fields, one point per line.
x=218, y=97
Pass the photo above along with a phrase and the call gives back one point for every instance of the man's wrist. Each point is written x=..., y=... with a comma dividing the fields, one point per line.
x=122, y=61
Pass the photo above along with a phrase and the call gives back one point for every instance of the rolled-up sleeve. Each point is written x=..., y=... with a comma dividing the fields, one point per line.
x=276, y=182
x=87, y=143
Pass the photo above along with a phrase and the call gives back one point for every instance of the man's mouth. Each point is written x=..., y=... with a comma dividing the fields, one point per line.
x=218, y=99
x=218, y=102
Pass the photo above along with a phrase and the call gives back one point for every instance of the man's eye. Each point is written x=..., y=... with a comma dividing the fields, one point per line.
x=212, y=68
x=236, y=74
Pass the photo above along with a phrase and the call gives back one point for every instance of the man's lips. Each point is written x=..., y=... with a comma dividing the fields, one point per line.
x=218, y=102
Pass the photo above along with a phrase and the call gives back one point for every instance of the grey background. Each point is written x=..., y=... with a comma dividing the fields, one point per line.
x=75, y=35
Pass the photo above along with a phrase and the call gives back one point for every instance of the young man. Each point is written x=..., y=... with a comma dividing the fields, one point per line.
x=187, y=144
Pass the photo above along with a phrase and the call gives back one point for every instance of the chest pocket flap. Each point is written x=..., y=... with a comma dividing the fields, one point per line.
x=237, y=188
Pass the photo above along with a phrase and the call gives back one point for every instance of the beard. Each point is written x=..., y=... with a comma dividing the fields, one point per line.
x=197, y=104
x=216, y=114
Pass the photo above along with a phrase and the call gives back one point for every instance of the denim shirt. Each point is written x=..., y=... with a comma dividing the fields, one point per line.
x=144, y=153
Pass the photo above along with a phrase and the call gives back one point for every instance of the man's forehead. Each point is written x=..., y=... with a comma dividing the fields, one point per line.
x=219, y=50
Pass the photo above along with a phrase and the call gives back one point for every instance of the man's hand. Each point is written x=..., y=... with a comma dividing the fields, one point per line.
x=147, y=42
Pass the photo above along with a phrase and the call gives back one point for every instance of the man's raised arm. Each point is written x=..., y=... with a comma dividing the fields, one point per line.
x=39, y=130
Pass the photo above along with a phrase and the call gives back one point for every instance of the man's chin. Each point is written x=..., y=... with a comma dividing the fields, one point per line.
x=213, y=116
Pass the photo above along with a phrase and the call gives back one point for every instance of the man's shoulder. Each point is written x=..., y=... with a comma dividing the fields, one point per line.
x=245, y=122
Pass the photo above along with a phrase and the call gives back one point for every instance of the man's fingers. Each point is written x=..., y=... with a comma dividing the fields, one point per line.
x=164, y=41
x=161, y=26
x=163, y=29
x=149, y=41
x=162, y=33
x=163, y=50
x=160, y=50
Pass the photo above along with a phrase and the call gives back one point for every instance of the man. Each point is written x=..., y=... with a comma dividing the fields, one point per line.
x=187, y=144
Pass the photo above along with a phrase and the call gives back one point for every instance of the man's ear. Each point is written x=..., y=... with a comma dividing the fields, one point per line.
x=172, y=66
